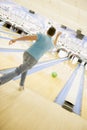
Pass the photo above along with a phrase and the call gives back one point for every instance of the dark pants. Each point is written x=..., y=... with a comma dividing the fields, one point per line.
x=28, y=62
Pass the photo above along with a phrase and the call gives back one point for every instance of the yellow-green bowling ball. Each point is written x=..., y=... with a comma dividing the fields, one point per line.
x=54, y=74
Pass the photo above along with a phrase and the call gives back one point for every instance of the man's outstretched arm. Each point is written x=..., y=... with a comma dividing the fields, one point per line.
x=30, y=38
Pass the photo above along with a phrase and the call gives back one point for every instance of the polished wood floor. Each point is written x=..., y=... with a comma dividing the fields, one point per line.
x=34, y=108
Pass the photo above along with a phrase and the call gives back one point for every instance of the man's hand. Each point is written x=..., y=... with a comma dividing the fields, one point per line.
x=12, y=41
x=59, y=33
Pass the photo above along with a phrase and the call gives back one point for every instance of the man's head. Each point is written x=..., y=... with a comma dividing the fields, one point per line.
x=51, y=31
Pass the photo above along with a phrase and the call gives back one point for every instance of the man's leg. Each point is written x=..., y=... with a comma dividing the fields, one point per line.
x=27, y=59
x=21, y=69
x=7, y=77
x=23, y=77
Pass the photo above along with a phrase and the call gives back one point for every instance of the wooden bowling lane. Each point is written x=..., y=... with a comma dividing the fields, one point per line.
x=4, y=43
x=42, y=82
x=6, y=35
x=45, y=85
x=75, y=87
x=10, y=60
x=73, y=98
x=7, y=97
x=26, y=110
x=14, y=59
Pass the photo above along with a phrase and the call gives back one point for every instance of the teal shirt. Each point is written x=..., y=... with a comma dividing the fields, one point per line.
x=41, y=46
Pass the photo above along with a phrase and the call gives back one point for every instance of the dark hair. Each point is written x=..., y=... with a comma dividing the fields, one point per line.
x=51, y=31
